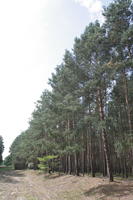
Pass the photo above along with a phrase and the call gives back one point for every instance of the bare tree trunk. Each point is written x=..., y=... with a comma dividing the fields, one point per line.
x=69, y=156
x=76, y=170
x=92, y=157
x=76, y=164
x=104, y=165
x=66, y=164
x=69, y=164
x=104, y=136
x=127, y=101
x=82, y=155
x=88, y=152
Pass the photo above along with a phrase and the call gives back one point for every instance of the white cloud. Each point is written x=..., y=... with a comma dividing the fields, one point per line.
x=94, y=8
x=92, y=5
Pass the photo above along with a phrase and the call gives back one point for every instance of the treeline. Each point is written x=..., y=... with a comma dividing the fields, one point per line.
x=1, y=149
x=87, y=118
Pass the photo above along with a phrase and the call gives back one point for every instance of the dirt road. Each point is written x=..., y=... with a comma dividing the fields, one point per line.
x=22, y=185
x=29, y=185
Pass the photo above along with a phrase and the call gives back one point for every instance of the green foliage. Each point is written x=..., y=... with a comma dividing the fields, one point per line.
x=8, y=160
x=1, y=148
x=47, y=162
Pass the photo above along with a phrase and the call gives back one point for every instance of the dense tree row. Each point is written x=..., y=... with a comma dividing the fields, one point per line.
x=86, y=120
x=1, y=148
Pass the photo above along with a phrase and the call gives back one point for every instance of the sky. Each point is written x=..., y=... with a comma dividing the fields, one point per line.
x=33, y=37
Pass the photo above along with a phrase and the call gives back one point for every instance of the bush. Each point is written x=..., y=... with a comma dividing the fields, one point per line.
x=47, y=163
x=8, y=161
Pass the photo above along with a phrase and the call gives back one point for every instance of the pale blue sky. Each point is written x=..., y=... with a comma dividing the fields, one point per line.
x=33, y=37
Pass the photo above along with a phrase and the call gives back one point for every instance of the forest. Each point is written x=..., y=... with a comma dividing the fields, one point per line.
x=84, y=124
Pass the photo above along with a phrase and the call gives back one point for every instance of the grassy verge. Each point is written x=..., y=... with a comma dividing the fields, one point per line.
x=5, y=168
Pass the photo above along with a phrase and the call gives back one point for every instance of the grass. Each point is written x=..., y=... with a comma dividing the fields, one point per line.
x=5, y=168
x=31, y=198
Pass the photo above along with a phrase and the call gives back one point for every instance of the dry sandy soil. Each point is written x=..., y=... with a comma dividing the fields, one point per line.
x=29, y=185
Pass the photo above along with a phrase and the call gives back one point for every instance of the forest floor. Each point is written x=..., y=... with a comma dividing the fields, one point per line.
x=30, y=185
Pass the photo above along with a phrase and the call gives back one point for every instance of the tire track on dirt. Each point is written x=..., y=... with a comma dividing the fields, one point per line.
x=22, y=185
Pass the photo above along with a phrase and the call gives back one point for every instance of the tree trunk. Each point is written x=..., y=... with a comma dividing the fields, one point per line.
x=92, y=157
x=88, y=153
x=66, y=164
x=82, y=155
x=76, y=164
x=104, y=165
x=69, y=164
x=127, y=101
x=69, y=156
x=104, y=137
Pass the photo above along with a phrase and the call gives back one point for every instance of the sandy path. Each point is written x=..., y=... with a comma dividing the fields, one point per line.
x=22, y=185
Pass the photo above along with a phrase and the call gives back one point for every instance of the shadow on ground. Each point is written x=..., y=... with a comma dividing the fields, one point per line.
x=53, y=176
x=10, y=176
x=15, y=173
x=110, y=190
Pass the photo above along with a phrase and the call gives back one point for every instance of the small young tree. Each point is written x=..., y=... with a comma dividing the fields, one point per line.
x=47, y=163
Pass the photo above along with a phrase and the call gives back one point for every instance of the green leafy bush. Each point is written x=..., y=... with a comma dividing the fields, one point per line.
x=47, y=163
